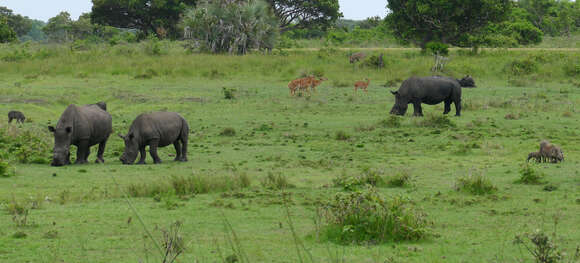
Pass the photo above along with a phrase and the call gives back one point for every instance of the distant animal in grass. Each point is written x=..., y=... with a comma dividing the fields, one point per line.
x=315, y=82
x=362, y=85
x=550, y=152
x=300, y=84
x=358, y=56
x=536, y=155
x=16, y=115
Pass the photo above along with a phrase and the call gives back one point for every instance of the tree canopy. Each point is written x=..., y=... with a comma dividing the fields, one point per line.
x=6, y=32
x=451, y=22
x=305, y=13
x=159, y=17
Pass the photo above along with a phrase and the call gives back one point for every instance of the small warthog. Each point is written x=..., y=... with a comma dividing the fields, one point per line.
x=16, y=115
x=536, y=155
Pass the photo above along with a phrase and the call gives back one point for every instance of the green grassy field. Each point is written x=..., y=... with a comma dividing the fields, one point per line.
x=80, y=213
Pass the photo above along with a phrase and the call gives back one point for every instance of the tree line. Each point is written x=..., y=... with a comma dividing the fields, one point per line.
x=236, y=26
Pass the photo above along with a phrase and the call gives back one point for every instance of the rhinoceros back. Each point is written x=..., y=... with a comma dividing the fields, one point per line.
x=88, y=122
x=163, y=126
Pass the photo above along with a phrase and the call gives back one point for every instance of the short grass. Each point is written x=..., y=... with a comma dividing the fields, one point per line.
x=287, y=148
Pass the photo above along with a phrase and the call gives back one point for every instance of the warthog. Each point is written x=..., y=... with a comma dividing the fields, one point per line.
x=358, y=56
x=536, y=155
x=550, y=152
x=16, y=115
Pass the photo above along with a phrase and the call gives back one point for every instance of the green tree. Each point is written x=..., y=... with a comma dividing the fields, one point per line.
x=451, y=22
x=20, y=24
x=232, y=26
x=305, y=13
x=6, y=32
x=159, y=17
x=58, y=28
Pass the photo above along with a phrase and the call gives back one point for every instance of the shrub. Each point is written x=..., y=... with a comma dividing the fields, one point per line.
x=228, y=131
x=399, y=180
x=229, y=93
x=354, y=182
x=393, y=121
x=5, y=169
x=529, y=175
x=275, y=181
x=475, y=184
x=367, y=217
x=25, y=147
x=342, y=136
x=190, y=185
x=153, y=47
x=522, y=67
x=435, y=48
x=436, y=121
x=374, y=61
x=540, y=246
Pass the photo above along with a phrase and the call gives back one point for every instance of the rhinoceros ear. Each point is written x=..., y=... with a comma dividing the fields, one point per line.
x=68, y=129
x=51, y=129
x=395, y=92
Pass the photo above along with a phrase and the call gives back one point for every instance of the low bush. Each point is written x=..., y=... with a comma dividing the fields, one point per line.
x=400, y=179
x=477, y=184
x=529, y=175
x=354, y=182
x=367, y=217
x=5, y=169
x=520, y=67
x=228, y=131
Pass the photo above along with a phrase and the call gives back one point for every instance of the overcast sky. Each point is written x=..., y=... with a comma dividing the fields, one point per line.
x=45, y=9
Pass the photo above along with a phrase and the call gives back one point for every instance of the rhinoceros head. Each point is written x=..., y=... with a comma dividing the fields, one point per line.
x=400, y=107
x=62, y=140
x=131, y=149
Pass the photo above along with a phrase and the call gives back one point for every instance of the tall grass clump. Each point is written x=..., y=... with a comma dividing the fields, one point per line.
x=393, y=121
x=353, y=182
x=190, y=185
x=275, y=182
x=477, y=184
x=400, y=179
x=437, y=121
x=529, y=175
x=364, y=217
x=5, y=169
x=540, y=246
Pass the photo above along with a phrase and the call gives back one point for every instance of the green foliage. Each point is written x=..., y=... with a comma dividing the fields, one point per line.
x=229, y=93
x=190, y=185
x=529, y=175
x=354, y=182
x=540, y=246
x=394, y=121
x=305, y=14
x=232, y=27
x=275, y=181
x=153, y=46
x=7, y=34
x=58, y=28
x=420, y=21
x=400, y=179
x=5, y=169
x=25, y=147
x=150, y=17
x=572, y=67
x=228, y=131
x=477, y=184
x=437, y=48
x=520, y=67
x=367, y=217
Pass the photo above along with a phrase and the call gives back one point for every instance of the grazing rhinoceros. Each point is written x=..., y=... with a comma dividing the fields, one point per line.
x=16, y=115
x=157, y=129
x=430, y=90
x=82, y=126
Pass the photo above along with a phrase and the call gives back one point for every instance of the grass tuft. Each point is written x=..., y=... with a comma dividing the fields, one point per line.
x=477, y=184
x=529, y=175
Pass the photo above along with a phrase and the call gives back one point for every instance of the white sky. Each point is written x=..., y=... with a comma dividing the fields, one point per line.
x=45, y=9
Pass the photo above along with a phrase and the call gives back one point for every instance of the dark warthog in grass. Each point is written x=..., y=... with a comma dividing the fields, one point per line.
x=82, y=126
x=157, y=129
x=357, y=57
x=430, y=90
x=16, y=115
x=550, y=152
x=536, y=155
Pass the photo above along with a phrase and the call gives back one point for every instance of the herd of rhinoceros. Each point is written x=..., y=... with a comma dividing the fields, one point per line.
x=88, y=125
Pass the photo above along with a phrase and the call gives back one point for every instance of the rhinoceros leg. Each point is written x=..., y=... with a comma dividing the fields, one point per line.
x=83, y=151
x=457, y=107
x=183, y=148
x=447, y=107
x=417, y=110
x=101, y=151
x=142, y=155
x=177, y=150
x=153, y=151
